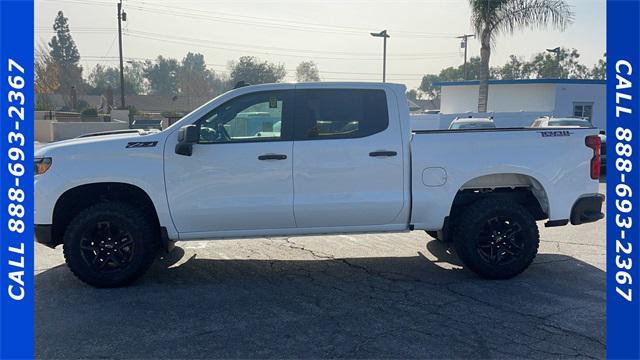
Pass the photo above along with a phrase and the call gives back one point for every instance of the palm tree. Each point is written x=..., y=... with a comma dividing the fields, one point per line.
x=491, y=18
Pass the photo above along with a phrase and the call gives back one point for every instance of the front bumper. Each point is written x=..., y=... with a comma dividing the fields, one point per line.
x=587, y=209
x=44, y=235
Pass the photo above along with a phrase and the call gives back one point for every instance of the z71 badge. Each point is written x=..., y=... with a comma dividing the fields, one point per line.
x=555, y=133
x=141, y=144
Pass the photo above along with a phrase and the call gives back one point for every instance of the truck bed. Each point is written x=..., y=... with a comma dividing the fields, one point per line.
x=553, y=163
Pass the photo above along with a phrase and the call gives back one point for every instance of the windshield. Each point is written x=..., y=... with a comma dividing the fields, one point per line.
x=476, y=125
x=570, y=122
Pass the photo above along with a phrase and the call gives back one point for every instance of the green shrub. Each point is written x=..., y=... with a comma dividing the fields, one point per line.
x=83, y=105
x=172, y=114
x=89, y=112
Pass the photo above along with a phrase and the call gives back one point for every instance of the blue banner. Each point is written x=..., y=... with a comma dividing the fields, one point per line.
x=16, y=179
x=623, y=183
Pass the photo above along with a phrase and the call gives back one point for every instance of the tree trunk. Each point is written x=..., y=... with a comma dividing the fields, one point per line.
x=485, y=55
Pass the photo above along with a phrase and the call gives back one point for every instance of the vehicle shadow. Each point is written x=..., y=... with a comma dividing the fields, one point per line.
x=385, y=307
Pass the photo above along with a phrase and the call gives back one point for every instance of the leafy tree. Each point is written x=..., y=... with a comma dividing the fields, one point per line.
x=543, y=65
x=491, y=18
x=307, y=71
x=194, y=79
x=46, y=78
x=426, y=86
x=565, y=65
x=514, y=69
x=221, y=83
x=413, y=95
x=599, y=71
x=457, y=73
x=449, y=74
x=64, y=54
x=103, y=77
x=546, y=66
x=134, y=76
x=253, y=71
x=162, y=76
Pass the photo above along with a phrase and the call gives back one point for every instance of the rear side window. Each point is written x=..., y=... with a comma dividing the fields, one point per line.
x=339, y=114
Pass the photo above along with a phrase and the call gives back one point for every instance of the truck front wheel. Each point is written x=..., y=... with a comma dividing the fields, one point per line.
x=109, y=244
x=496, y=238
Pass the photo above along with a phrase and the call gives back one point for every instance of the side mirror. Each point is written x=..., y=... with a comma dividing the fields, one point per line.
x=602, y=132
x=187, y=136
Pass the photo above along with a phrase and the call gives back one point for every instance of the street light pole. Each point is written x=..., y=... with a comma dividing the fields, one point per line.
x=122, y=16
x=464, y=44
x=383, y=34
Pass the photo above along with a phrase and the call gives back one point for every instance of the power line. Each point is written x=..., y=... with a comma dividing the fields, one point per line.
x=284, y=24
x=239, y=47
x=289, y=22
x=246, y=20
x=244, y=46
x=283, y=52
x=111, y=46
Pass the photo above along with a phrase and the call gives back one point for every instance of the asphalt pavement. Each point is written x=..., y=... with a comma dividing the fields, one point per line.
x=399, y=295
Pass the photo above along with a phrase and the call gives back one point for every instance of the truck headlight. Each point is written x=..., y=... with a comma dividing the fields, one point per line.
x=41, y=165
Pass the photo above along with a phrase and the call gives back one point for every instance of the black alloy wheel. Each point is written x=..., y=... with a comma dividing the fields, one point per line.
x=106, y=247
x=500, y=241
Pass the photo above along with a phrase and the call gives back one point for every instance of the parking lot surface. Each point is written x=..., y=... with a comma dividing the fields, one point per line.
x=399, y=295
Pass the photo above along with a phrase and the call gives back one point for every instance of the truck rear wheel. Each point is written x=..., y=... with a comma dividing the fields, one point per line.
x=109, y=244
x=496, y=238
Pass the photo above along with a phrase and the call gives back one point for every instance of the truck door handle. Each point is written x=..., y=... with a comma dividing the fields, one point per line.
x=272, y=157
x=382, y=153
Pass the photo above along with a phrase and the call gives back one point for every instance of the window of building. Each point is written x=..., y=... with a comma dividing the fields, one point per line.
x=583, y=110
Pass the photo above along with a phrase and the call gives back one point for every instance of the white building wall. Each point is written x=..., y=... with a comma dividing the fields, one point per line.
x=567, y=95
x=530, y=100
x=502, y=98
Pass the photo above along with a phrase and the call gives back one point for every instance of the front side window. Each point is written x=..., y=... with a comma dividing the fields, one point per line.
x=247, y=118
x=338, y=114
x=583, y=110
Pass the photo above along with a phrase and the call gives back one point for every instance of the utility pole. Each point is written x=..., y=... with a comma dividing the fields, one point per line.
x=383, y=34
x=464, y=44
x=122, y=16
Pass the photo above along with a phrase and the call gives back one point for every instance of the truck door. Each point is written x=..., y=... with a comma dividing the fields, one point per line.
x=239, y=176
x=348, y=161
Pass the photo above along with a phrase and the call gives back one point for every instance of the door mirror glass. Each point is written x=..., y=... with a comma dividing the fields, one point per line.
x=187, y=136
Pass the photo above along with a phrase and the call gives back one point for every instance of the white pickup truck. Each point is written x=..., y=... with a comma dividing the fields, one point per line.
x=320, y=158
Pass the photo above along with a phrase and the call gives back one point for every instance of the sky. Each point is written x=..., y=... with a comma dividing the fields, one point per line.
x=332, y=33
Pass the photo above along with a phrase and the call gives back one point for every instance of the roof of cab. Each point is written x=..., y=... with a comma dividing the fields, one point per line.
x=321, y=84
x=473, y=120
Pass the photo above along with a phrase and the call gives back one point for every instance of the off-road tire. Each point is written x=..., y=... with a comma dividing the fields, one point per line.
x=470, y=230
x=133, y=221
